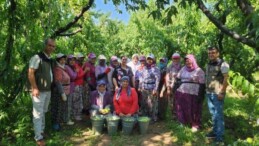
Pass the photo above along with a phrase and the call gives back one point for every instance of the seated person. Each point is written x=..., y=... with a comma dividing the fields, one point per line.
x=101, y=100
x=125, y=99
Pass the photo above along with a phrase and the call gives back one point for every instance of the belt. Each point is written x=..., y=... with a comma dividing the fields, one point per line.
x=65, y=84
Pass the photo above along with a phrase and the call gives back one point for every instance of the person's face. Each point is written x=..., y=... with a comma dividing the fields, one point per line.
x=143, y=62
x=213, y=54
x=50, y=46
x=135, y=60
x=149, y=61
x=102, y=61
x=62, y=61
x=115, y=62
x=80, y=60
x=125, y=83
x=101, y=88
x=188, y=62
x=93, y=60
x=124, y=60
x=72, y=61
x=176, y=60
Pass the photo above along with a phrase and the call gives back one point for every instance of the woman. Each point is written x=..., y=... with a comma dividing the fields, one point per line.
x=125, y=99
x=122, y=70
x=70, y=69
x=162, y=100
x=171, y=74
x=188, y=107
x=101, y=70
x=113, y=65
x=60, y=93
x=101, y=100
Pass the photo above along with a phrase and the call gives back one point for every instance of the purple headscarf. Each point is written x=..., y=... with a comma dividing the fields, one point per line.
x=193, y=61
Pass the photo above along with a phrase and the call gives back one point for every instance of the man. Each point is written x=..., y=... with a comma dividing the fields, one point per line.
x=216, y=85
x=134, y=63
x=148, y=86
x=41, y=77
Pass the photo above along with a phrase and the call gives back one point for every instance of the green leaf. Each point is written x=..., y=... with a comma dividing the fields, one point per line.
x=245, y=87
x=251, y=91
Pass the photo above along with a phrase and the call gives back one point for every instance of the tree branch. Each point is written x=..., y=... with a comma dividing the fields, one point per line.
x=224, y=29
x=245, y=6
x=61, y=30
x=70, y=34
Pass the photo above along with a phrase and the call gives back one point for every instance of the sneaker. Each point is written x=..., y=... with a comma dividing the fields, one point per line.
x=194, y=129
x=40, y=142
x=219, y=142
x=211, y=135
x=70, y=122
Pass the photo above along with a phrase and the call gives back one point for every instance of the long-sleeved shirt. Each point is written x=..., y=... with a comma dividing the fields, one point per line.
x=62, y=80
x=171, y=74
x=149, y=78
x=126, y=104
x=79, y=80
x=100, y=102
x=90, y=75
x=72, y=74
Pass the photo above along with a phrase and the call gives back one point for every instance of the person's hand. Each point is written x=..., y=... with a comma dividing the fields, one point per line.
x=77, y=69
x=116, y=88
x=161, y=95
x=221, y=96
x=64, y=97
x=107, y=70
x=87, y=69
x=121, y=114
x=154, y=93
x=35, y=92
x=128, y=115
x=168, y=92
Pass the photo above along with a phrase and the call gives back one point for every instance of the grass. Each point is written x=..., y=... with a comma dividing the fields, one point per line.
x=240, y=129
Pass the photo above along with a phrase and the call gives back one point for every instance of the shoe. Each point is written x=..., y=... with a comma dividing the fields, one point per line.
x=194, y=129
x=70, y=122
x=211, y=135
x=40, y=142
x=56, y=127
x=219, y=142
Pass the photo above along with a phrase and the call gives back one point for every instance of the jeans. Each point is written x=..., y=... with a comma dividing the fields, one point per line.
x=40, y=107
x=216, y=110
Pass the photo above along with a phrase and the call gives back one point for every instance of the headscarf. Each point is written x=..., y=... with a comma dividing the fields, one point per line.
x=193, y=61
x=113, y=58
x=162, y=63
x=128, y=88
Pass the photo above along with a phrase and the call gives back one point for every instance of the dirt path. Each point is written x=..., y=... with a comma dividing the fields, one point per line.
x=157, y=135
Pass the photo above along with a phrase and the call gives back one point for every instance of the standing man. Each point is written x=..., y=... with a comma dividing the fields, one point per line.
x=216, y=85
x=40, y=76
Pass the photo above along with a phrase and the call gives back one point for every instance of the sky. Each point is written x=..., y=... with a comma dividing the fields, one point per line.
x=109, y=7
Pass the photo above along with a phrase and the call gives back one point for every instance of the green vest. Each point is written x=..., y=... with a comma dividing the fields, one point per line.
x=43, y=73
x=214, y=78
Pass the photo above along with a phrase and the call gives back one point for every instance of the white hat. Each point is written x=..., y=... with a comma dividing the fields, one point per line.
x=176, y=55
x=151, y=56
x=60, y=55
x=79, y=55
x=101, y=57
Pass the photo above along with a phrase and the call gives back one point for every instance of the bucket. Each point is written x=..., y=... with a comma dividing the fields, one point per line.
x=127, y=125
x=112, y=124
x=143, y=123
x=97, y=124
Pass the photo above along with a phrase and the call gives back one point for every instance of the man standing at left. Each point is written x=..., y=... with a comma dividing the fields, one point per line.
x=41, y=77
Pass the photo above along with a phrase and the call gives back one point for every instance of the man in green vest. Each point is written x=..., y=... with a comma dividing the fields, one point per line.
x=41, y=77
x=216, y=85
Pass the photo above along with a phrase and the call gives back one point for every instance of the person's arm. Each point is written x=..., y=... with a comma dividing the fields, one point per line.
x=224, y=69
x=116, y=104
x=31, y=76
x=72, y=74
x=157, y=76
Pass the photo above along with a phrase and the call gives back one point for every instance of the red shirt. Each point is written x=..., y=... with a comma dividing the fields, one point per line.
x=79, y=80
x=125, y=104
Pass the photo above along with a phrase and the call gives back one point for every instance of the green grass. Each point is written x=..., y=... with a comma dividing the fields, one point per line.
x=240, y=129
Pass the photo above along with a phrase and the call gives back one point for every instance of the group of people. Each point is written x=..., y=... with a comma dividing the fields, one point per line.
x=141, y=87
